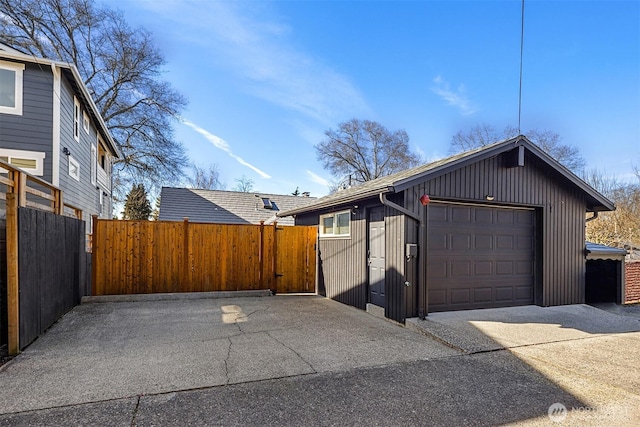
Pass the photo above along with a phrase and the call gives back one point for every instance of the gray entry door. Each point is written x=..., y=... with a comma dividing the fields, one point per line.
x=376, y=259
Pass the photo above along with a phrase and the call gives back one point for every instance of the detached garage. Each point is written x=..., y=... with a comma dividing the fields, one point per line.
x=499, y=226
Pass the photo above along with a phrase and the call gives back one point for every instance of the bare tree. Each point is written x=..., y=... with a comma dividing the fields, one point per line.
x=478, y=136
x=206, y=179
x=605, y=183
x=549, y=141
x=121, y=66
x=244, y=184
x=365, y=150
x=622, y=226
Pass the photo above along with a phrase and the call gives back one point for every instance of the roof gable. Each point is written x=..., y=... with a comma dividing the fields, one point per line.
x=402, y=180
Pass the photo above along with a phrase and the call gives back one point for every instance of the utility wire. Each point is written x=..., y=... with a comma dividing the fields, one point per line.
x=521, y=55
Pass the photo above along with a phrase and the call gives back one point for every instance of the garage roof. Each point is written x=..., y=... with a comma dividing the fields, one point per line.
x=401, y=180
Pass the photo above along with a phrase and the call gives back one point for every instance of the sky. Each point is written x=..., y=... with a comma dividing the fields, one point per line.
x=266, y=79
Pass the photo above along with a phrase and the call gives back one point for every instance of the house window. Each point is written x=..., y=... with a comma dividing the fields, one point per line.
x=74, y=168
x=85, y=122
x=11, y=87
x=76, y=119
x=29, y=161
x=336, y=224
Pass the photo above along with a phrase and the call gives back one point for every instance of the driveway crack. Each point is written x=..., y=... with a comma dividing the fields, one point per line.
x=135, y=411
x=226, y=361
x=292, y=350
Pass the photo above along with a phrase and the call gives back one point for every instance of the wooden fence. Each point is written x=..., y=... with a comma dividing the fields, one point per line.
x=43, y=260
x=138, y=257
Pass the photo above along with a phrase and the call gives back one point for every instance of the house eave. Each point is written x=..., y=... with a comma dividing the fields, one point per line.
x=375, y=192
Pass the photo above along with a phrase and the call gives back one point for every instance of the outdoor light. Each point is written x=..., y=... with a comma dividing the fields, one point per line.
x=66, y=151
x=424, y=200
x=488, y=197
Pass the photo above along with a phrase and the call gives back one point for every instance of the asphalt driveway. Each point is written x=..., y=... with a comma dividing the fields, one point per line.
x=307, y=360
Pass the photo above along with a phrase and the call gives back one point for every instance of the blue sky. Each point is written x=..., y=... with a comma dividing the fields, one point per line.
x=265, y=79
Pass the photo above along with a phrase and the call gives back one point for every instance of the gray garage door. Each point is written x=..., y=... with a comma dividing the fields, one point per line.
x=479, y=257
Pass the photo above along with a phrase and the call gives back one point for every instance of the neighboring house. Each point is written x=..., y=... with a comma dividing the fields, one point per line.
x=226, y=207
x=51, y=128
x=499, y=226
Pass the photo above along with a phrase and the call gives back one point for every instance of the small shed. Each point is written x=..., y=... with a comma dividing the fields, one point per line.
x=604, y=279
x=498, y=226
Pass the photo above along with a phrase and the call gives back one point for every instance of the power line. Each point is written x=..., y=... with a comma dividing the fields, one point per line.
x=521, y=55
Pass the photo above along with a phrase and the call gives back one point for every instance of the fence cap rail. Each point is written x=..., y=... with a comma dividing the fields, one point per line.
x=18, y=183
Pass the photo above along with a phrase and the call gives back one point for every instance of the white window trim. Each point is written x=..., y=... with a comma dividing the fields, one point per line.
x=85, y=122
x=33, y=155
x=75, y=163
x=76, y=119
x=19, y=70
x=335, y=224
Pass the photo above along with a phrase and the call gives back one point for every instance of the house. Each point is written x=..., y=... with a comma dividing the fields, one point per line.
x=499, y=226
x=227, y=207
x=51, y=128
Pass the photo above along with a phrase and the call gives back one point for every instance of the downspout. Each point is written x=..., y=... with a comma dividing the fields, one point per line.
x=595, y=215
x=422, y=300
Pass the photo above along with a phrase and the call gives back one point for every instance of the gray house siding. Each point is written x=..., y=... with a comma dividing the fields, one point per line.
x=560, y=208
x=33, y=129
x=82, y=194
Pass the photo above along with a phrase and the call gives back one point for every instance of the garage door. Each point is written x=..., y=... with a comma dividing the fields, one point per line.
x=479, y=257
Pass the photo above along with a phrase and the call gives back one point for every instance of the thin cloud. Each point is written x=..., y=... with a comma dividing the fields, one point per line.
x=456, y=98
x=221, y=144
x=318, y=179
x=250, y=40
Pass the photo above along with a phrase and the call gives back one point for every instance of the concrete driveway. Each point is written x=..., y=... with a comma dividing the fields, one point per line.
x=306, y=360
x=113, y=350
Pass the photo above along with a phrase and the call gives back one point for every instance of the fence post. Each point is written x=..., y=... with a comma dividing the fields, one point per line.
x=185, y=261
x=274, y=260
x=13, y=302
x=22, y=189
x=95, y=256
x=58, y=203
x=261, y=255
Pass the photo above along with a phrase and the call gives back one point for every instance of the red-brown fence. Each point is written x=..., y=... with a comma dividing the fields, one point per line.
x=138, y=257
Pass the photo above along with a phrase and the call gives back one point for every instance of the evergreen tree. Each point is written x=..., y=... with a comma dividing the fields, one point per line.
x=137, y=204
x=155, y=215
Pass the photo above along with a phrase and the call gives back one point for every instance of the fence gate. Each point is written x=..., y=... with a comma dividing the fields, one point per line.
x=137, y=257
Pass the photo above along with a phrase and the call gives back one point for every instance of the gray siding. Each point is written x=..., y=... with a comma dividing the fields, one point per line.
x=560, y=211
x=33, y=130
x=395, y=223
x=342, y=263
x=82, y=194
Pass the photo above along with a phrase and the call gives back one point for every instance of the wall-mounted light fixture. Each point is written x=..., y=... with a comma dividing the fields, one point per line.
x=488, y=197
x=66, y=151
